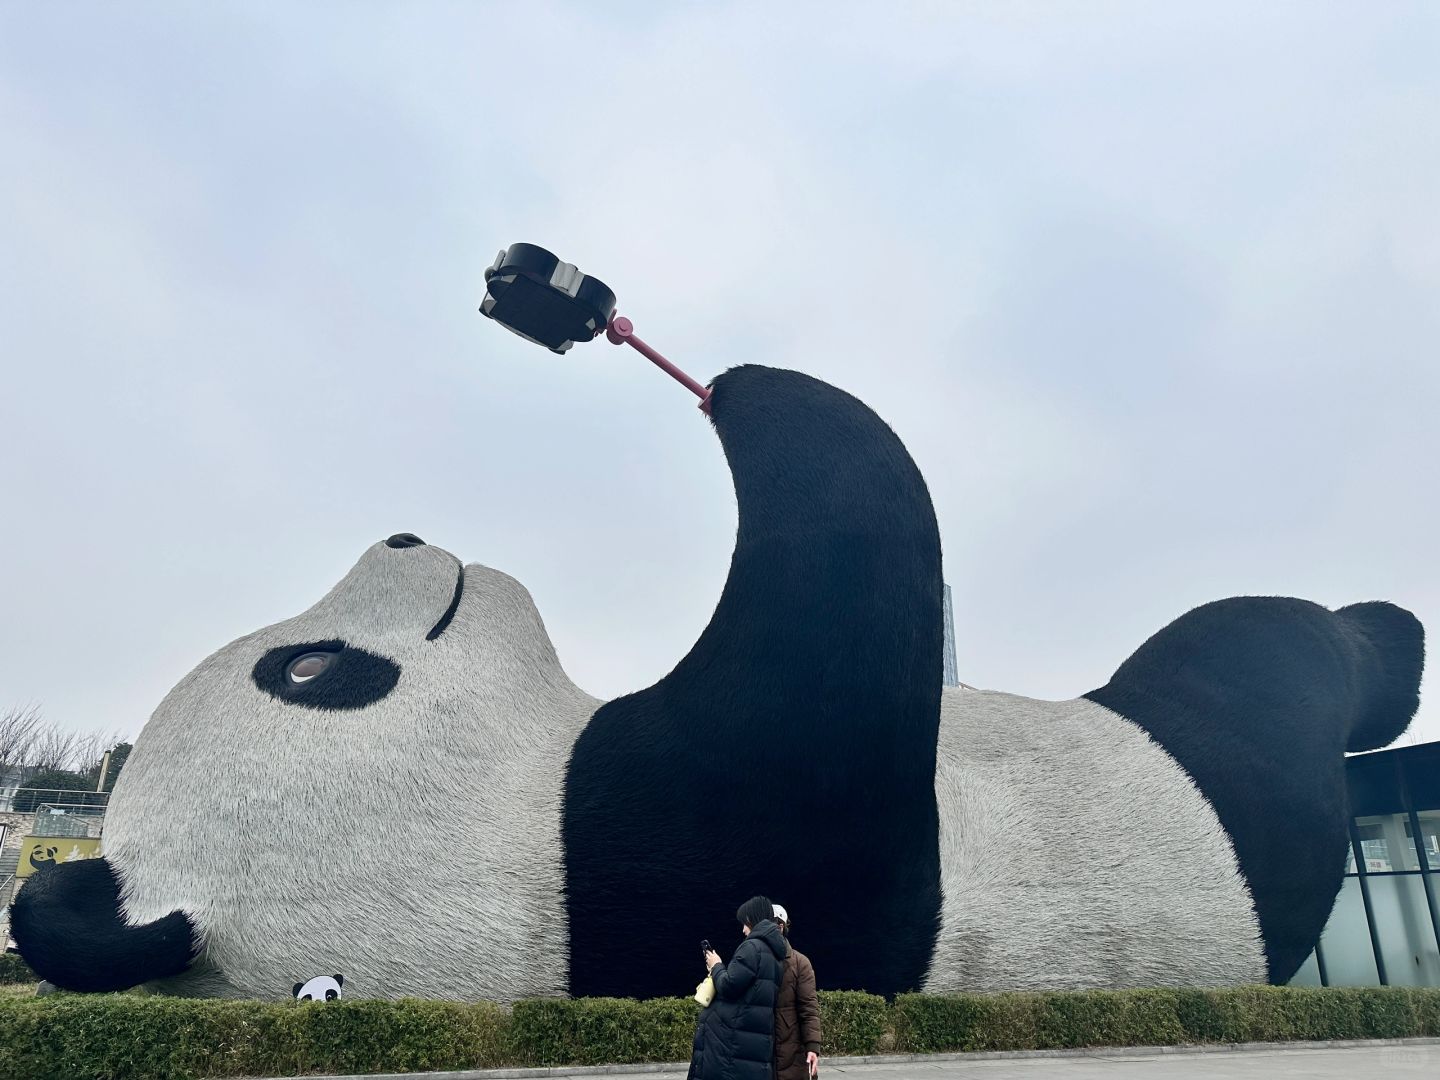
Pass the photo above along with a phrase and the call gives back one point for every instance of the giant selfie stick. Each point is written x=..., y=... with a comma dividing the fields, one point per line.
x=621, y=331
x=530, y=292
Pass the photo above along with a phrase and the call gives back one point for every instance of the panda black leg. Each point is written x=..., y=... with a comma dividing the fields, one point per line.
x=67, y=924
x=1258, y=699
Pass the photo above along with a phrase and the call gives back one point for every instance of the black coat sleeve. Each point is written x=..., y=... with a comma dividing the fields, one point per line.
x=732, y=980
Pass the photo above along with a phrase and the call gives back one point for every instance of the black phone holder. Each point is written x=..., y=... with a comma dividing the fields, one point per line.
x=530, y=292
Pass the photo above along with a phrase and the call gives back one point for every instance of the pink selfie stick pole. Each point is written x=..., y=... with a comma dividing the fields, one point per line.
x=622, y=331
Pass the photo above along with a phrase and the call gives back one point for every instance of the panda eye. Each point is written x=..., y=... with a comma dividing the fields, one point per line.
x=353, y=677
x=331, y=995
x=304, y=668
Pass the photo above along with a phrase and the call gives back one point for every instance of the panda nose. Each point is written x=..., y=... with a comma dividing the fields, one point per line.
x=404, y=540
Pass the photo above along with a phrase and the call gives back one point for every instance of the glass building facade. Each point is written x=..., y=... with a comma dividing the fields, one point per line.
x=1385, y=927
x=950, y=674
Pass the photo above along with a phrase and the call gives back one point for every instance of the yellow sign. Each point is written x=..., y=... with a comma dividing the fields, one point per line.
x=36, y=851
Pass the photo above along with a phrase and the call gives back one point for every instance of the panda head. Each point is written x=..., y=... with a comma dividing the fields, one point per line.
x=416, y=685
x=385, y=654
x=320, y=988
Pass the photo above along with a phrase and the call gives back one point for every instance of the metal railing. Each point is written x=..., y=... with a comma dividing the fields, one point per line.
x=63, y=820
x=28, y=800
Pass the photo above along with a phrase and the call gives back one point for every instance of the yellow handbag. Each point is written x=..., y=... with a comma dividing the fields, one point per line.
x=705, y=992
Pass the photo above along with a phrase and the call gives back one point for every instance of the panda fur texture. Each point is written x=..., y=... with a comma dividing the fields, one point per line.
x=442, y=806
x=1077, y=854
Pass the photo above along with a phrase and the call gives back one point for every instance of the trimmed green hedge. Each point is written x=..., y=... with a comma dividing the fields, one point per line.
x=14, y=970
x=852, y=1023
x=139, y=1037
x=927, y=1024
x=601, y=1031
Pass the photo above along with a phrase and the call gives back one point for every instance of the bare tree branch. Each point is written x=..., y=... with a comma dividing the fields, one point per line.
x=28, y=741
x=20, y=725
x=53, y=749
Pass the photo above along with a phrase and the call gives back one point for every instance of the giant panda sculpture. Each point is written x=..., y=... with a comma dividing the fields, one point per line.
x=401, y=783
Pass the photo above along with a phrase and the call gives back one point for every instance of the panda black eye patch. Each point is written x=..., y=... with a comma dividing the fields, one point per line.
x=326, y=675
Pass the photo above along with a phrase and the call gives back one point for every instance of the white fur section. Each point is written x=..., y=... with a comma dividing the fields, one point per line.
x=1075, y=853
x=413, y=845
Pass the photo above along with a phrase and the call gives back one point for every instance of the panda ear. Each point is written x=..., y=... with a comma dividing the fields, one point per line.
x=339, y=980
x=296, y=989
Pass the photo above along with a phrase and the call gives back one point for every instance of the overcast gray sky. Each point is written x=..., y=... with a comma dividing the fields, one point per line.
x=1149, y=290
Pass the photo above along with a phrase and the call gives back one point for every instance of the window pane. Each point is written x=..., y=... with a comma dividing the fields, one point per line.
x=1385, y=844
x=1349, y=960
x=1374, y=849
x=1407, y=938
x=1430, y=836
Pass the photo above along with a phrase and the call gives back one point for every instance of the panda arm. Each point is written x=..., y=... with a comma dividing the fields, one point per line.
x=67, y=921
x=822, y=665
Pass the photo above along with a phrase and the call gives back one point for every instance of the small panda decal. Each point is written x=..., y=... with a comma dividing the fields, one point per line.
x=320, y=988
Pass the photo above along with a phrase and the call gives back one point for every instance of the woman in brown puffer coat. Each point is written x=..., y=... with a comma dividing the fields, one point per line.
x=797, y=1014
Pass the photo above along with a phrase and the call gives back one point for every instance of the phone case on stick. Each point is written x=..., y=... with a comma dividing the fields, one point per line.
x=530, y=292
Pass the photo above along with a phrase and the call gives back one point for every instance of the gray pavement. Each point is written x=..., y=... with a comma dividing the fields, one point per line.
x=1400, y=1059
x=1353, y=1063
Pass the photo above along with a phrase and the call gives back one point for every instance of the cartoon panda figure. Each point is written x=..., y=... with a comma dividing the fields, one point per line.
x=1184, y=825
x=320, y=988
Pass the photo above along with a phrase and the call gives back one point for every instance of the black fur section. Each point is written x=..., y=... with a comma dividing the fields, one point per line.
x=792, y=752
x=354, y=679
x=449, y=613
x=1258, y=698
x=1390, y=655
x=66, y=922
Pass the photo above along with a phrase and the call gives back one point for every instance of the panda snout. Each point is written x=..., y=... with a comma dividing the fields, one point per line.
x=404, y=540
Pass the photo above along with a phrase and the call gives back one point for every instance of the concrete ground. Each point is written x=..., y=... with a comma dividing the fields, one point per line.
x=1354, y=1063
x=1399, y=1060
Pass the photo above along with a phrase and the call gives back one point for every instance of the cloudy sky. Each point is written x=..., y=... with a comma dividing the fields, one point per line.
x=1149, y=290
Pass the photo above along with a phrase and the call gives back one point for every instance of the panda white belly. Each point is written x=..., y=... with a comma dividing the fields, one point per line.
x=1075, y=853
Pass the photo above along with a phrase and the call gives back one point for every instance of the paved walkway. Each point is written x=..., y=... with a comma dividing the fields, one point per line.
x=1380, y=1063
x=1409, y=1059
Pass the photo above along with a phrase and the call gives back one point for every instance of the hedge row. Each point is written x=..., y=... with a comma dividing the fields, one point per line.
x=14, y=970
x=140, y=1037
x=137, y=1037
x=925, y=1024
